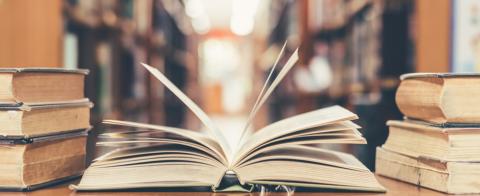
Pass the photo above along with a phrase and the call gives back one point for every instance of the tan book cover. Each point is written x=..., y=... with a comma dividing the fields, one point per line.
x=418, y=139
x=440, y=98
x=35, y=86
x=37, y=120
x=449, y=177
x=30, y=163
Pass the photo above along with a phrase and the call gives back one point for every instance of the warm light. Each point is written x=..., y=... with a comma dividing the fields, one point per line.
x=221, y=64
x=220, y=59
x=241, y=25
x=243, y=16
x=201, y=25
x=196, y=11
x=194, y=8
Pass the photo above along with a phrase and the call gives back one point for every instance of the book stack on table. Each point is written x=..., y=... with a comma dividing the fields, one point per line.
x=44, y=122
x=438, y=144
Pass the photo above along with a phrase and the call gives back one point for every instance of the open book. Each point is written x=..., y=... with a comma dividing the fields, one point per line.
x=283, y=153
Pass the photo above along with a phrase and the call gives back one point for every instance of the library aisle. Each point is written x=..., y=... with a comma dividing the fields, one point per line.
x=351, y=53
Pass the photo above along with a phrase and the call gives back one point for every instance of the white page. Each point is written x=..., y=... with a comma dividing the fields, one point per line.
x=283, y=72
x=289, y=125
x=213, y=131
x=200, y=138
x=260, y=96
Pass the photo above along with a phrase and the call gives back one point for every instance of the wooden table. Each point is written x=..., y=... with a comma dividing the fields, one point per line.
x=394, y=188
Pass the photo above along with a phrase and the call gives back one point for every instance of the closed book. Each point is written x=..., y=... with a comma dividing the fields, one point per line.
x=34, y=162
x=418, y=139
x=37, y=120
x=41, y=85
x=445, y=176
x=440, y=97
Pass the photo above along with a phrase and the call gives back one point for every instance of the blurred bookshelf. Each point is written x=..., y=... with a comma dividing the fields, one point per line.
x=111, y=37
x=367, y=44
x=352, y=54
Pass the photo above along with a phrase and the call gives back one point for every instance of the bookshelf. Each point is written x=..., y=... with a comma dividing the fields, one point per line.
x=113, y=37
x=368, y=44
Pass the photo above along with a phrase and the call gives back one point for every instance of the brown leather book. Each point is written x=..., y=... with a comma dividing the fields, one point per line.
x=33, y=162
x=40, y=85
x=441, y=98
x=37, y=120
x=422, y=140
x=445, y=176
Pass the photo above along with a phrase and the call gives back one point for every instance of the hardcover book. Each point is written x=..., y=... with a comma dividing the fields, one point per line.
x=282, y=153
x=445, y=176
x=28, y=163
x=440, y=98
x=36, y=86
x=418, y=139
x=38, y=120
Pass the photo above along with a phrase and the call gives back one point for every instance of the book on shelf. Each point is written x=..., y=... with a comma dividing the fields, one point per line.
x=419, y=139
x=445, y=176
x=36, y=86
x=36, y=120
x=30, y=163
x=440, y=98
x=282, y=153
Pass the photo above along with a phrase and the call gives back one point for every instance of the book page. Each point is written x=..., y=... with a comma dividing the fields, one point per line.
x=292, y=124
x=310, y=154
x=283, y=72
x=309, y=167
x=251, y=115
x=161, y=151
x=159, y=175
x=200, y=138
x=211, y=128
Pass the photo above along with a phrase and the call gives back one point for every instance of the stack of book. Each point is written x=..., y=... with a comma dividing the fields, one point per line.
x=438, y=144
x=44, y=122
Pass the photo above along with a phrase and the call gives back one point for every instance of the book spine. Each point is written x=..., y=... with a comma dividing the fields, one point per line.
x=421, y=99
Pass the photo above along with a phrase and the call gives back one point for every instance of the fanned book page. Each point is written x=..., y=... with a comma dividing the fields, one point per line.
x=283, y=153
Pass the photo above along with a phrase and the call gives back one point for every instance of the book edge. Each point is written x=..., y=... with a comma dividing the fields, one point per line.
x=44, y=70
x=437, y=75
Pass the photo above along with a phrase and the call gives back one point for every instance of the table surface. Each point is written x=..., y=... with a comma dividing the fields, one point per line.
x=394, y=188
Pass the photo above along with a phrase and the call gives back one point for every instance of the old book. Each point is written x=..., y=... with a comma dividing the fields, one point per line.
x=440, y=98
x=29, y=163
x=40, y=85
x=282, y=153
x=449, y=177
x=423, y=140
x=36, y=120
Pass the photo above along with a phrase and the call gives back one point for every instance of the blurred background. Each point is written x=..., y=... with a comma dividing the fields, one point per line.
x=219, y=52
